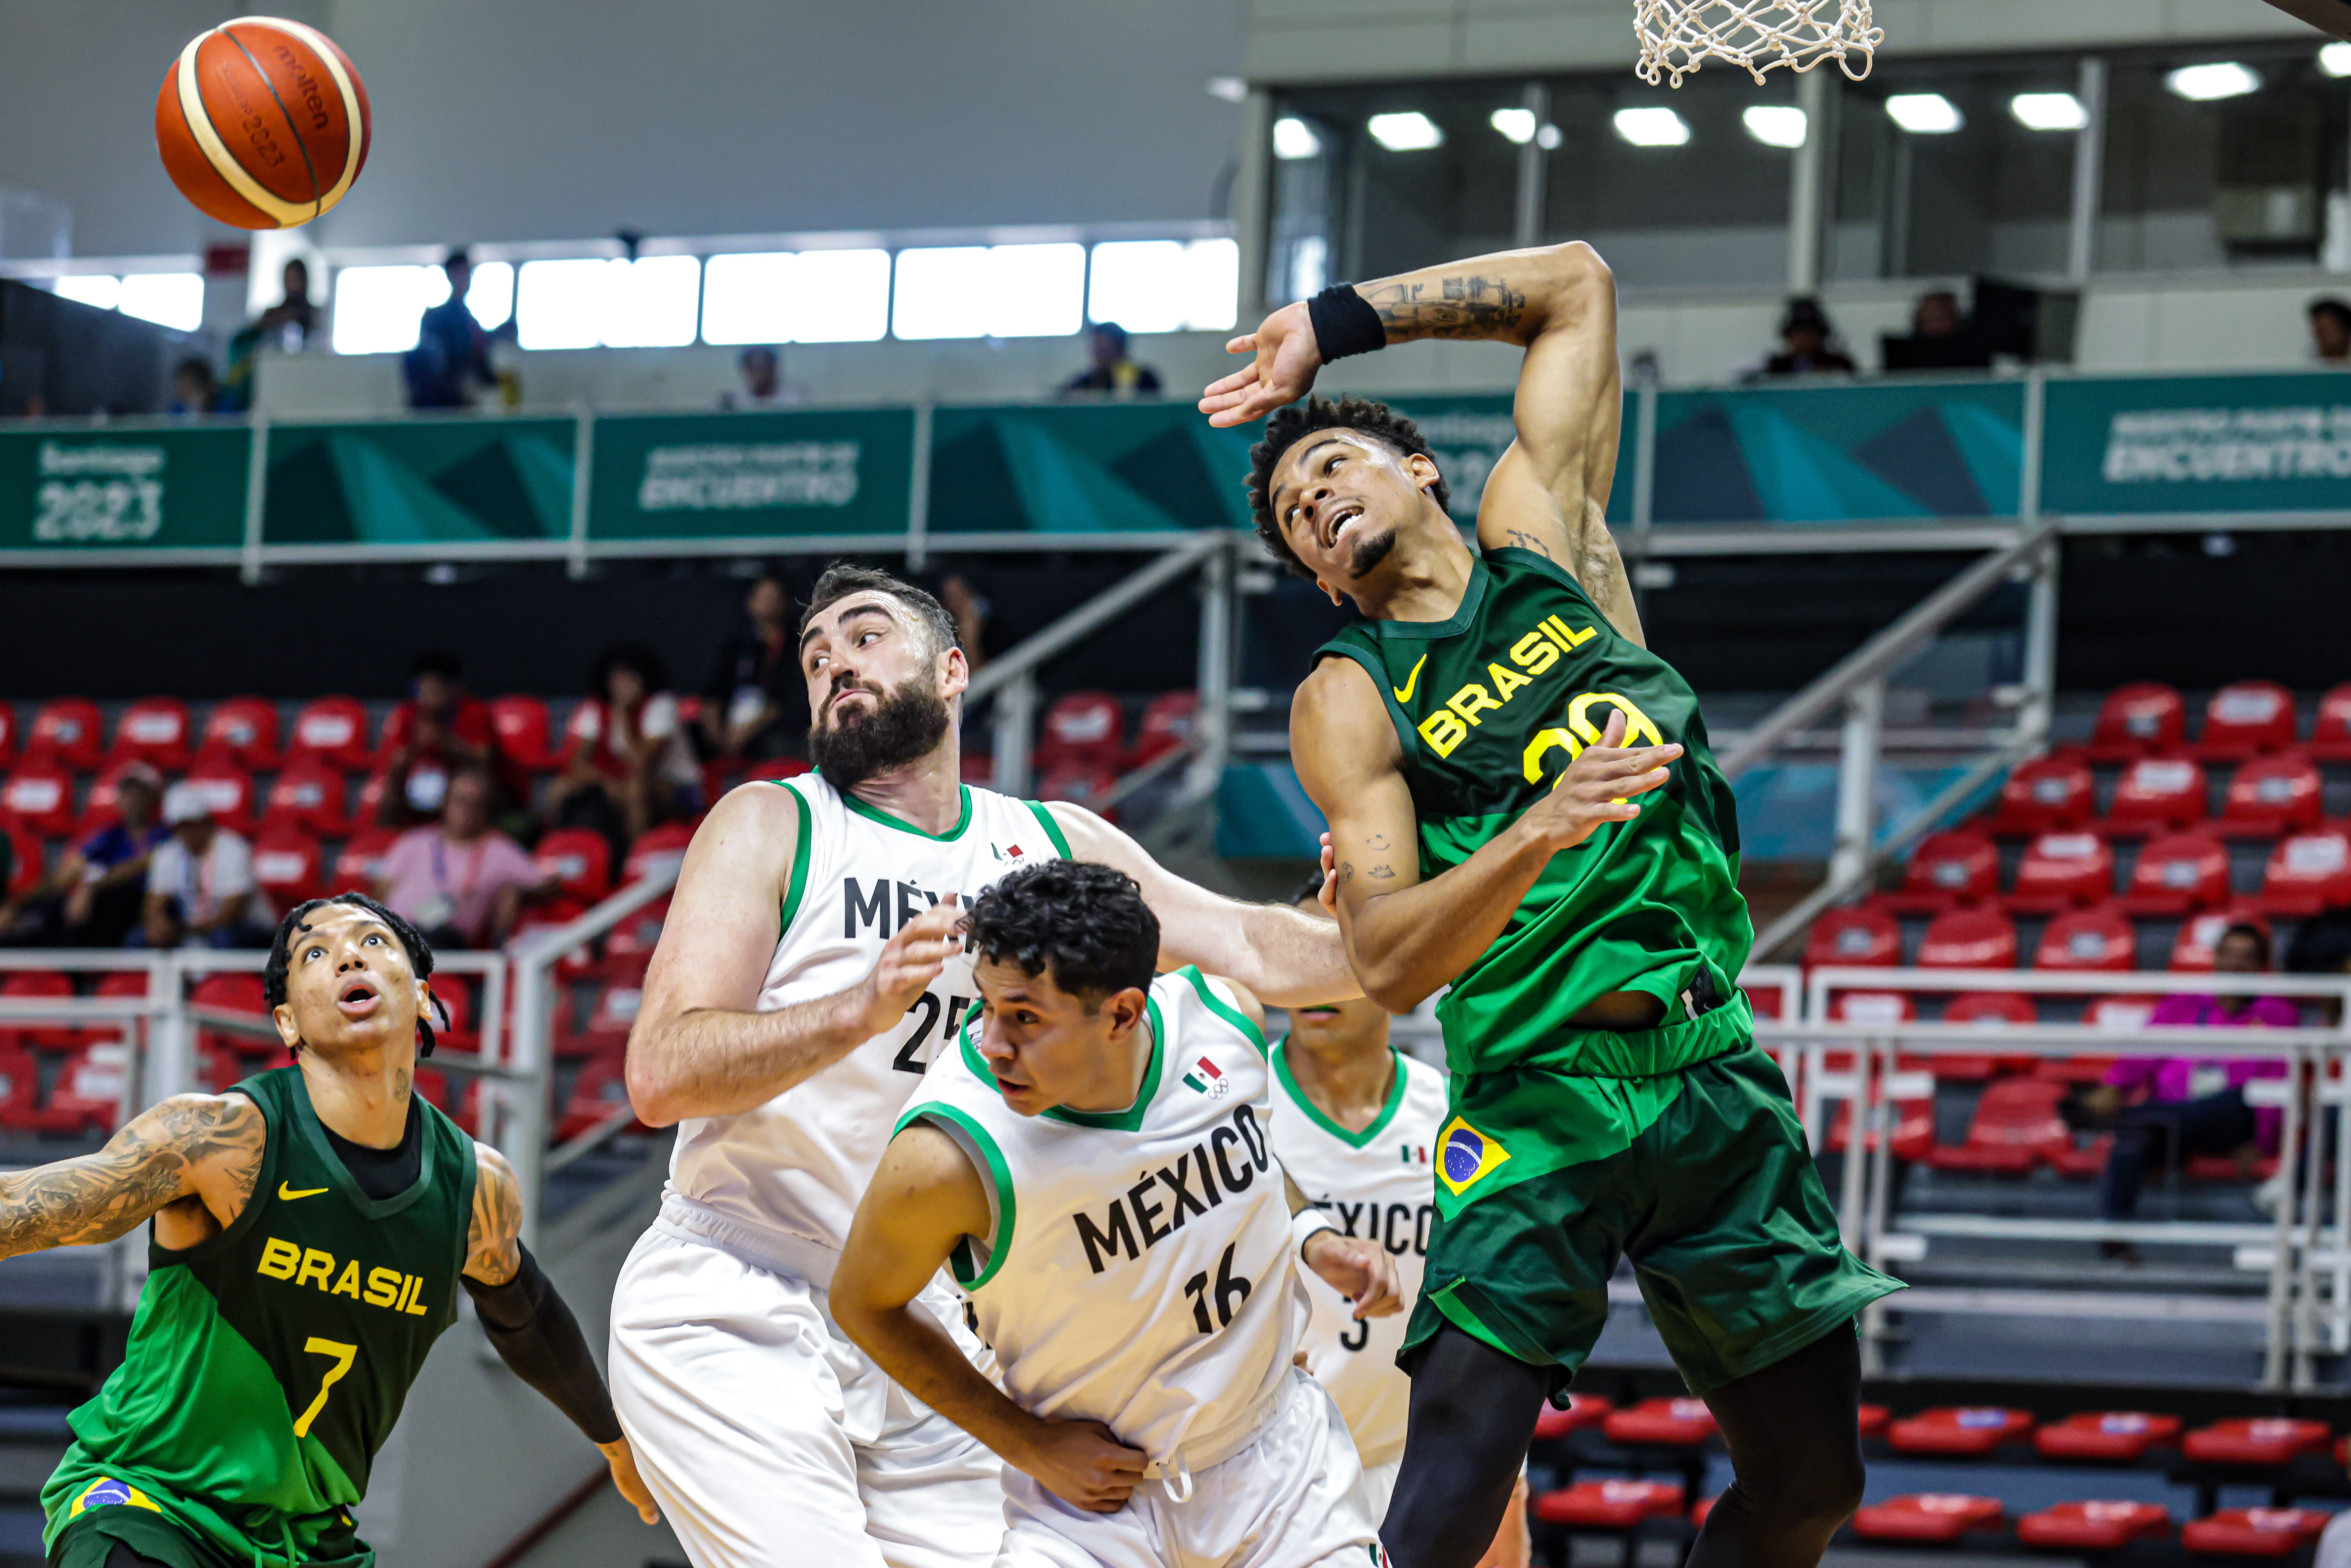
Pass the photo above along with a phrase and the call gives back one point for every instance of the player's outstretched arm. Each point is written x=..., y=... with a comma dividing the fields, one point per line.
x=1405, y=936
x=698, y=1047
x=924, y=1198
x=1357, y=1267
x=532, y=1329
x=201, y=1147
x=1289, y=959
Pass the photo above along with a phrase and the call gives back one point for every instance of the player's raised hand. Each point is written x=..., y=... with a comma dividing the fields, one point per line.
x=626, y=1482
x=1328, y=892
x=1083, y=1464
x=909, y=963
x=1359, y=1269
x=1287, y=359
x=1597, y=788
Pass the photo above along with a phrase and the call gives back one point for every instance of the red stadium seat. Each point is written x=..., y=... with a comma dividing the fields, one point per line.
x=308, y=796
x=1972, y=1429
x=2098, y=940
x=1872, y=1420
x=156, y=731
x=2138, y=720
x=2015, y=1126
x=8, y=736
x=977, y=769
x=1947, y=869
x=2254, y=1532
x=66, y=731
x=1968, y=939
x=334, y=730
x=2156, y=794
x=359, y=866
x=2246, y=719
x=1914, y=1130
x=2093, y=1526
x=38, y=984
x=2307, y=873
x=2175, y=873
x=600, y=1089
x=88, y=1094
x=1864, y=934
x=2064, y=871
x=1660, y=1423
x=661, y=850
x=39, y=796
x=2191, y=952
x=615, y=1012
x=1991, y=1007
x=2123, y=1015
x=523, y=730
x=1930, y=1517
x=2271, y=794
x=2267, y=1440
x=237, y=991
x=1167, y=725
x=2118, y=1436
x=28, y=863
x=579, y=860
x=578, y=962
x=2330, y=738
x=227, y=790
x=2047, y=793
x=244, y=730
x=1081, y=784
x=1583, y=1410
x=98, y=808
x=1882, y=1009
x=629, y=946
x=20, y=1088
x=289, y=865
x=1609, y=1504
x=120, y=983
x=1081, y=730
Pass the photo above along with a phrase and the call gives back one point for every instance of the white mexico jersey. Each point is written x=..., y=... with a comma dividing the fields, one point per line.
x=1141, y=1270
x=771, y=1180
x=1377, y=1183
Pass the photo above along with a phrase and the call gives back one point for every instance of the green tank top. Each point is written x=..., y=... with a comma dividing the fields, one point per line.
x=266, y=1365
x=1491, y=705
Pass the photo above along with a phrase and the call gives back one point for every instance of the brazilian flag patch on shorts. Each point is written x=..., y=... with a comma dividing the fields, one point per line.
x=106, y=1491
x=1465, y=1156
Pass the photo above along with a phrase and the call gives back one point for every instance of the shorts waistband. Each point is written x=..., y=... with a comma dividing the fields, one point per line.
x=684, y=1220
x=1197, y=1453
x=1654, y=1053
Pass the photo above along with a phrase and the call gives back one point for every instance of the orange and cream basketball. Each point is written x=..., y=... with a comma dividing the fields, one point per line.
x=262, y=122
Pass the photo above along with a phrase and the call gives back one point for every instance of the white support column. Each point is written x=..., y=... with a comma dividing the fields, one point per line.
x=1213, y=722
x=1857, y=820
x=1016, y=727
x=523, y=1123
x=1807, y=185
x=1534, y=168
x=1252, y=190
x=2089, y=170
x=583, y=469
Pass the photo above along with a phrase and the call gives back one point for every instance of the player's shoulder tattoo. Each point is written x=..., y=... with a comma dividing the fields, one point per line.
x=159, y=1158
x=492, y=1243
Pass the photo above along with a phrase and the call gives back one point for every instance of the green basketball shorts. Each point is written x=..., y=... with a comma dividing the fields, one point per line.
x=89, y=1538
x=1730, y=1233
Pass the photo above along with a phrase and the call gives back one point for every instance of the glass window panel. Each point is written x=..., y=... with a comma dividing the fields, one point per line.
x=990, y=291
x=841, y=297
x=490, y=295
x=1136, y=284
x=91, y=289
x=377, y=307
x=1212, y=285
x=173, y=299
x=942, y=292
x=1040, y=292
x=653, y=302
x=562, y=304
x=747, y=298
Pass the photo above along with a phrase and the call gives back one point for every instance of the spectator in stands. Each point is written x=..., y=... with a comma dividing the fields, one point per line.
x=452, y=356
x=193, y=391
x=1114, y=370
x=755, y=703
x=289, y=323
x=459, y=881
x=2169, y=1108
x=94, y=897
x=438, y=729
x=762, y=369
x=1805, y=332
x=2330, y=330
x=630, y=765
x=969, y=609
x=201, y=891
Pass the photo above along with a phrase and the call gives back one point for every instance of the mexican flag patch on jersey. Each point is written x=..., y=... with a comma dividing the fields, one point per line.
x=1204, y=1079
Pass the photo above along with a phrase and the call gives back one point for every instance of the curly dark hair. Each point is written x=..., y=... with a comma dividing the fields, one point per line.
x=843, y=577
x=281, y=955
x=1086, y=923
x=1289, y=425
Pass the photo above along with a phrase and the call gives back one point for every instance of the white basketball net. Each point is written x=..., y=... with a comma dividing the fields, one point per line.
x=1679, y=36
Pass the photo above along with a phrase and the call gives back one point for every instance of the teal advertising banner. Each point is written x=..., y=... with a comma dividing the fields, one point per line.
x=1100, y=468
x=420, y=482
x=751, y=476
x=113, y=491
x=2198, y=444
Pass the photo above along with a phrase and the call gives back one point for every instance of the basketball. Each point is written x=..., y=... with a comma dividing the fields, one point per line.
x=262, y=122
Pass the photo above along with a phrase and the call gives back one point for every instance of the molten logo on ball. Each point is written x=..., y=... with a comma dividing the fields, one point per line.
x=262, y=123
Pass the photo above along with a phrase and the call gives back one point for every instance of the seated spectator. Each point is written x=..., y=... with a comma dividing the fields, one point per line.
x=1804, y=335
x=1941, y=338
x=95, y=896
x=762, y=369
x=630, y=765
x=459, y=881
x=200, y=887
x=969, y=609
x=2168, y=1108
x=452, y=356
x=756, y=701
x=438, y=729
x=289, y=323
x=194, y=389
x=1113, y=370
x=2330, y=330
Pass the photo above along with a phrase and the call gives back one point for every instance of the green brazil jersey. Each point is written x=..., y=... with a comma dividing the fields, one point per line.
x=1492, y=706
x=266, y=1366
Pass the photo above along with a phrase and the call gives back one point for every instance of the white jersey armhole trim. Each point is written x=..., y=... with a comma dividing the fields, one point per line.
x=977, y=1261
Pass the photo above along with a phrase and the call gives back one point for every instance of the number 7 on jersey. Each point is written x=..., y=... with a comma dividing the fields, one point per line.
x=343, y=1355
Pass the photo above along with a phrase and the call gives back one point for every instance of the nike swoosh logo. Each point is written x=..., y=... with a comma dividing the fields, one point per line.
x=287, y=1193
x=1403, y=693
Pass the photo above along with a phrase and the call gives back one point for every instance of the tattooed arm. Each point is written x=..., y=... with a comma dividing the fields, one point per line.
x=494, y=1241
x=193, y=1159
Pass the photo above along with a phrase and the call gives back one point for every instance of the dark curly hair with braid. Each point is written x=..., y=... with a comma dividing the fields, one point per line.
x=281, y=955
x=1291, y=426
x=1086, y=923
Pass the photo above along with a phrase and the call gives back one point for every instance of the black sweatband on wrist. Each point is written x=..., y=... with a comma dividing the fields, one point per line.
x=540, y=1340
x=1345, y=323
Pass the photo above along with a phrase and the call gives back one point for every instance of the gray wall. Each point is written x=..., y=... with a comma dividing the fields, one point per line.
x=567, y=119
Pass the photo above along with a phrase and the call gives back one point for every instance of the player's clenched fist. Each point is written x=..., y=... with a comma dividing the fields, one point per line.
x=1083, y=1464
x=909, y=963
x=1597, y=788
x=1358, y=1269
